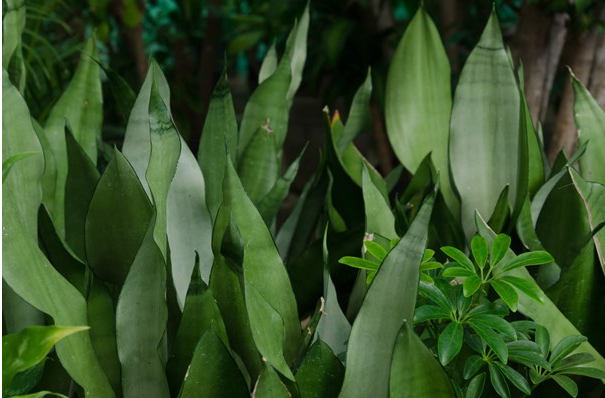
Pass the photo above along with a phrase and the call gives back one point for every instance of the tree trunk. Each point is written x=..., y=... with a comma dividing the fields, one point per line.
x=537, y=44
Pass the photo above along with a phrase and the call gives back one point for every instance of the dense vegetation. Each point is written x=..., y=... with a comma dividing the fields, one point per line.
x=474, y=268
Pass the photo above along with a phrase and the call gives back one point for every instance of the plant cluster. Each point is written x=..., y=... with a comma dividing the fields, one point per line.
x=156, y=272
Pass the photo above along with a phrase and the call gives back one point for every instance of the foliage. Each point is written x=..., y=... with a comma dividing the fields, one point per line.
x=180, y=280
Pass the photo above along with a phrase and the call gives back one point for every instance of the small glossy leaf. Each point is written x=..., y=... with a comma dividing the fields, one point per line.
x=25, y=349
x=515, y=377
x=450, y=342
x=506, y=292
x=472, y=365
x=526, y=259
x=359, y=263
x=499, y=248
x=480, y=250
x=455, y=272
x=432, y=292
x=585, y=371
x=498, y=381
x=375, y=249
x=459, y=257
x=565, y=347
x=527, y=353
x=492, y=339
x=429, y=312
x=475, y=386
x=543, y=340
x=573, y=360
x=471, y=285
x=497, y=323
x=528, y=287
x=567, y=384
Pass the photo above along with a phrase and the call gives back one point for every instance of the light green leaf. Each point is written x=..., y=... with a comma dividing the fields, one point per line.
x=388, y=304
x=499, y=248
x=479, y=249
x=471, y=285
x=414, y=370
x=8, y=164
x=213, y=372
x=25, y=349
x=475, y=386
x=81, y=106
x=485, y=117
x=269, y=64
x=219, y=141
x=526, y=259
x=418, y=101
x=13, y=25
x=590, y=120
x=379, y=217
x=297, y=46
x=359, y=263
x=506, y=292
x=141, y=316
x=458, y=256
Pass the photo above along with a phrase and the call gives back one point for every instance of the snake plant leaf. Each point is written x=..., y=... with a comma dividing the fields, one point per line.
x=200, y=314
x=565, y=210
x=141, y=316
x=359, y=118
x=117, y=221
x=388, y=304
x=267, y=103
x=501, y=212
x=13, y=25
x=593, y=197
x=80, y=184
x=379, y=217
x=121, y=91
x=268, y=293
x=297, y=46
x=8, y=164
x=28, y=273
x=164, y=156
x=219, y=141
x=25, y=349
x=41, y=394
x=590, y=121
x=333, y=328
x=81, y=106
x=543, y=312
x=320, y=374
x=269, y=385
x=260, y=164
x=23, y=181
x=137, y=142
x=418, y=101
x=213, y=372
x=270, y=204
x=269, y=64
x=485, y=117
x=414, y=370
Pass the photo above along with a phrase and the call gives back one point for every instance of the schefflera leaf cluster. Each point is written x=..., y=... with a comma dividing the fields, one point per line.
x=189, y=287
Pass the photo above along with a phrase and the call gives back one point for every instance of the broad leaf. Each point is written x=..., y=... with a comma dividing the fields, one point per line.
x=320, y=374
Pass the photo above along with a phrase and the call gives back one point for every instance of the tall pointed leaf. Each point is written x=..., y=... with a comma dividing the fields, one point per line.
x=298, y=52
x=388, y=304
x=219, y=140
x=485, y=117
x=13, y=25
x=379, y=217
x=141, y=316
x=320, y=374
x=590, y=121
x=80, y=105
x=418, y=101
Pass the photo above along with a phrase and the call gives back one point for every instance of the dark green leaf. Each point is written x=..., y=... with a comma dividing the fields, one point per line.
x=450, y=342
x=499, y=248
x=526, y=286
x=501, y=212
x=527, y=353
x=491, y=338
x=526, y=259
x=472, y=365
x=498, y=381
x=459, y=257
x=117, y=221
x=212, y=373
x=455, y=272
x=475, y=386
x=585, y=371
x=497, y=323
x=567, y=384
x=429, y=312
x=435, y=294
x=471, y=284
x=573, y=360
x=515, y=377
x=506, y=292
x=320, y=375
x=269, y=385
x=565, y=347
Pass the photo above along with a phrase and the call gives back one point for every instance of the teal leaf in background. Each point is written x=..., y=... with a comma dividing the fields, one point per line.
x=485, y=117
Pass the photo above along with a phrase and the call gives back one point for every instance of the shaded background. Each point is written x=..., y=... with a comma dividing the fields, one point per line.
x=192, y=40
